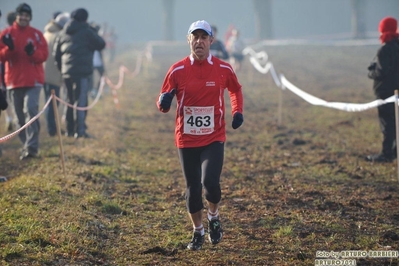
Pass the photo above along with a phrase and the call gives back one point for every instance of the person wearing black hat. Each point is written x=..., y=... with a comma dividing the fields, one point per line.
x=217, y=47
x=23, y=49
x=11, y=16
x=73, y=53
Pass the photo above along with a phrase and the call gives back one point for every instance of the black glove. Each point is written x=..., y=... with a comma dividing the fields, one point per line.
x=238, y=119
x=372, y=66
x=7, y=40
x=3, y=101
x=165, y=100
x=29, y=49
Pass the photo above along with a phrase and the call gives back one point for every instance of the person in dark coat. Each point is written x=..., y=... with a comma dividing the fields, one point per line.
x=384, y=70
x=73, y=53
x=217, y=47
x=3, y=99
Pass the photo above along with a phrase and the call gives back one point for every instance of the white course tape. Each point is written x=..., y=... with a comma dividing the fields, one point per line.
x=258, y=59
x=349, y=107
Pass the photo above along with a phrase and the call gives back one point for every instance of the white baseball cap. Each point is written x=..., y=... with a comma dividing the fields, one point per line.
x=200, y=25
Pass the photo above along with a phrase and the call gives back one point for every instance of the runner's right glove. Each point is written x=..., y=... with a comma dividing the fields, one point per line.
x=165, y=100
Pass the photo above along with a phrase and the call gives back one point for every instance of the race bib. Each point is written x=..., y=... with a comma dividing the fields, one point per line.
x=198, y=120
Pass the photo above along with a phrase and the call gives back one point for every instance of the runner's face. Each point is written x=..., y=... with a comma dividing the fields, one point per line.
x=23, y=19
x=199, y=42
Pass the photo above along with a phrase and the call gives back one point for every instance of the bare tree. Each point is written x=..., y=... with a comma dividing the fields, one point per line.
x=263, y=19
x=167, y=19
x=358, y=19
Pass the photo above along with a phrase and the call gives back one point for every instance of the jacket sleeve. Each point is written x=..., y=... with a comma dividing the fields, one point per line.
x=96, y=41
x=225, y=54
x=169, y=83
x=4, y=54
x=57, y=52
x=235, y=94
x=4, y=51
x=384, y=63
x=41, y=49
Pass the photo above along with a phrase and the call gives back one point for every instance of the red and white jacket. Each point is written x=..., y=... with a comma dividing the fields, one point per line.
x=200, y=87
x=22, y=70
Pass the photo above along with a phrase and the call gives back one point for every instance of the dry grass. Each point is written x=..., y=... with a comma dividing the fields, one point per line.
x=288, y=190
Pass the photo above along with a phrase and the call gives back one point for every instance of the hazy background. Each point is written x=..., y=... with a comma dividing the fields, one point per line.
x=141, y=21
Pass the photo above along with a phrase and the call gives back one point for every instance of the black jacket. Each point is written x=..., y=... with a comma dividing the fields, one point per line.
x=74, y=48
x=217, y=49
x=3, y=100
x=384, y=70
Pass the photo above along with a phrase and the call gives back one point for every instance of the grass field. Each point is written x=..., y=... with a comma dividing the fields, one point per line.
x=288, y=190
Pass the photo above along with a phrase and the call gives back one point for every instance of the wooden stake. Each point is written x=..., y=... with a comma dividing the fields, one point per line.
x=58, y=124
x=280, y=107
x=397, y=130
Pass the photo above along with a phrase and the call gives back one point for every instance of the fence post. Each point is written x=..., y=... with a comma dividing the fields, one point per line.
x=397, y=130
x=280, y=107
x=57, y=122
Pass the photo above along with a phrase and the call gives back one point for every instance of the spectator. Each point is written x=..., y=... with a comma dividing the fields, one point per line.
x=11, y=16
x=98, y=66
x=10, y=118
x=3, y=103
x=73, y=52
x=217, y=46
x=384, y=70
x=199, y=81
x=111, y=38
x=23, y=50
x=55, y=15
x=52, y=78
x=227, y=34
x=235, y=46
x=3, y=99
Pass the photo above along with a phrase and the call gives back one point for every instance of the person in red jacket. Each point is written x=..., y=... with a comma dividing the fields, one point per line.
x=23, y=49
x=199, y=81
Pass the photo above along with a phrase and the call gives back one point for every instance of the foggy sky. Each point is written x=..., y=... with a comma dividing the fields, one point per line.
x=141, y=20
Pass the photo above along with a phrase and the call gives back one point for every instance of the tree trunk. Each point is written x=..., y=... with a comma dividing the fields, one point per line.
x=167, y=20
x=358, y=19
x=263, y=19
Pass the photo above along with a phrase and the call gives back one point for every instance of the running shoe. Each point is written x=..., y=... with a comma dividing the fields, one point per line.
x=196, y=242
x=215, y=231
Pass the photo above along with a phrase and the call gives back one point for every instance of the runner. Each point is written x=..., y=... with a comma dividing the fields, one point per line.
x=199, y=81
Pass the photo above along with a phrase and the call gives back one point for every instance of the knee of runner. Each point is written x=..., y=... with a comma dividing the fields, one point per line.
x=213, y=193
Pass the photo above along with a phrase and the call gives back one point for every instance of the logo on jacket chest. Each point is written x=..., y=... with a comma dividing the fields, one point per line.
x=210, y=84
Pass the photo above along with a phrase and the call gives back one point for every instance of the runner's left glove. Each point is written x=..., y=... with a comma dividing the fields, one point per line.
x=165, y=100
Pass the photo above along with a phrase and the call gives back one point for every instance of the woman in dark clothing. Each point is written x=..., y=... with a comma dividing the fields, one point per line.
x=384, y=70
